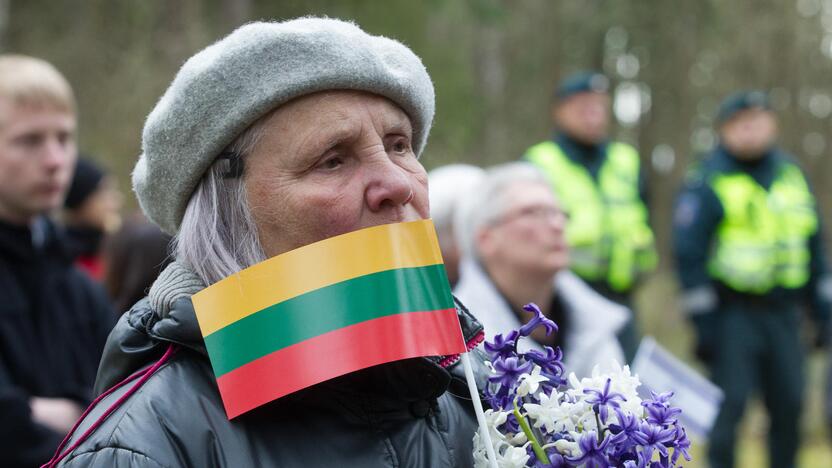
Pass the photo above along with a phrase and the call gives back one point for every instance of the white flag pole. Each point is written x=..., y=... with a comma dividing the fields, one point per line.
x=485, y=434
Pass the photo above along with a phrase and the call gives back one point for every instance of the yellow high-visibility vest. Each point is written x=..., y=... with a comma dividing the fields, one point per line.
x=608, y=234
x=762, y=241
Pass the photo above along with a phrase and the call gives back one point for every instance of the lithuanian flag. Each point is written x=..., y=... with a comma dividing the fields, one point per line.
x=327, y=309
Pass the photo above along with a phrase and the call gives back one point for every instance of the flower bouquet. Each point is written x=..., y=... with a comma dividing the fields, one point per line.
x=540, y=419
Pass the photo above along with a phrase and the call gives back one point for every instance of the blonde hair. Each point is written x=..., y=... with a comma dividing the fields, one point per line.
x=29, y=81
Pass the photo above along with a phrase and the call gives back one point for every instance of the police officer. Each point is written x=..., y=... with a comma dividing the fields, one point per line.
x=601, y=186
x=748, y=246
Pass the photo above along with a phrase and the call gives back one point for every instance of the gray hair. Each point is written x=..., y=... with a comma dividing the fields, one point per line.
x=487, y=201
x=218, y=237
x=447, y=186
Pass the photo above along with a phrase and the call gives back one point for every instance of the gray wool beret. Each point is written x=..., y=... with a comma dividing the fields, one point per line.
x=222, y=90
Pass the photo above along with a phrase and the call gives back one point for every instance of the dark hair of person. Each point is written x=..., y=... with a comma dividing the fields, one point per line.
x=134, y=257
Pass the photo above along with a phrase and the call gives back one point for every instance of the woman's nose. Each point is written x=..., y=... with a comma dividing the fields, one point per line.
x=388, y=186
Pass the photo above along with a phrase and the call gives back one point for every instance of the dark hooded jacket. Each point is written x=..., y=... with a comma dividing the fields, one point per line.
x=410, y=413
x=53, y=325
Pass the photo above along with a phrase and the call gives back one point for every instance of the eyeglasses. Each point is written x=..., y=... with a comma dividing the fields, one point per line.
x=533, y=213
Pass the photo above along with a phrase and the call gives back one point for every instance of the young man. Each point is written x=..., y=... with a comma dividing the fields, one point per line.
x=53, y=320
x=748, y=248
x=601, y=186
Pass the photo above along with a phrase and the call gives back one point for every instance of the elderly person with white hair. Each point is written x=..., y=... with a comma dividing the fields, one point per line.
x=448, y=185
x=278, y=136
x=511, y=230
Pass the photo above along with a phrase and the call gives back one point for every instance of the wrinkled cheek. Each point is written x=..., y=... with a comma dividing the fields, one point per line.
x=332, y=214
x=337, y=222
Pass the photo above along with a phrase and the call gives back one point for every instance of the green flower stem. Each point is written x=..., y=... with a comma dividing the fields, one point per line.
x=538, y=450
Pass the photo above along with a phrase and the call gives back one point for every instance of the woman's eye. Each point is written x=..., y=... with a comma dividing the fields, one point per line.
x=332, y=163
x=400, y=146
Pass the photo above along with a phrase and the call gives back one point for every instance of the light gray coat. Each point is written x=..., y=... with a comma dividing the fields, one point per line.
x=594, y=320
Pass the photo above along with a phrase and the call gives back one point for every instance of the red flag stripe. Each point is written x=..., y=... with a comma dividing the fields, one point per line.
x=340, y=352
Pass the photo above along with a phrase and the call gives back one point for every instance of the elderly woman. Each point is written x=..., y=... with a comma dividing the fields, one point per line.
x=279, y=135
x=511, y=230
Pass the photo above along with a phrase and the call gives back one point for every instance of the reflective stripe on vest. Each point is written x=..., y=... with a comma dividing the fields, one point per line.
x=763, y=239
x=607, y=232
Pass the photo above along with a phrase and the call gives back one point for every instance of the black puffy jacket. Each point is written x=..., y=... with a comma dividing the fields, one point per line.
x=53, y=324
x=402, y=414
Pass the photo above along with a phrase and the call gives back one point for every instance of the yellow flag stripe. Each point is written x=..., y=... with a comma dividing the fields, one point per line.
x=315, y=266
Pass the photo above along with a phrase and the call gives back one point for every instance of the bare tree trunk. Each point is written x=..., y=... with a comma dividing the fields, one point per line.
x=490, y=78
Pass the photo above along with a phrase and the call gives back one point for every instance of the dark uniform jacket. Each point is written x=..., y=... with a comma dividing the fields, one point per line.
x=410, y=413
x=53, y=325
x=699, y=213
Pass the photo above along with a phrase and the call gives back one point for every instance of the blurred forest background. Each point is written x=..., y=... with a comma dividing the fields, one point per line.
x=494, y=64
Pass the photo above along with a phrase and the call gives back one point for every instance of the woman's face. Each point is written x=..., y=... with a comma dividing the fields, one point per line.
x=331, y=163
x=529, y=235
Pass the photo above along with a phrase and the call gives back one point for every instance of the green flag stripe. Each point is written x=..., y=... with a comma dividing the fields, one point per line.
x=324, y=310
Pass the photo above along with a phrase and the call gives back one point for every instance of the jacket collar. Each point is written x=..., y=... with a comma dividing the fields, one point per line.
x=26, y=243
x=589, y=312
x=577, y=151
x=175, y=282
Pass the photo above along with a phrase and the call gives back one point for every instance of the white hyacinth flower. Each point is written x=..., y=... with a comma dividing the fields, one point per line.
x=567, y=448
x=549, y=413
x=529, y=383
x=622, y=381
x=508, y=456
x=518, y=439
x=493, y=419
x=513, y=457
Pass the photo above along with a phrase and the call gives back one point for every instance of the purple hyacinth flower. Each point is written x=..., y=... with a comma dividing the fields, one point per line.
x=507, y=371
x=536, y=321
x=662, y=415
x=680, y=445
x=511, y=424
x=603, y=399
x=502, y=346
x=652, y=437
x=593, y=453
x=660, y=398
x=635, y=464
x=641, y=462
x=556, y=460
x=499, y=399
x=628, y=424
x=550, y=359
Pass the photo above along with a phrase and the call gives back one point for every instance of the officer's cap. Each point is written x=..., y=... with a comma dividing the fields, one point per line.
x=741, y=101
x=582, y=82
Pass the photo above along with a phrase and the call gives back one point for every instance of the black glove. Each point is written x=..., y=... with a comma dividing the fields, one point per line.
x=706, y=330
